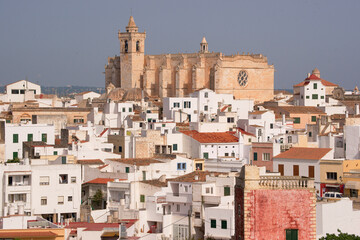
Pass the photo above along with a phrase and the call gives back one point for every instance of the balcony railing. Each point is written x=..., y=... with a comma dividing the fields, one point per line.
x=287, y=182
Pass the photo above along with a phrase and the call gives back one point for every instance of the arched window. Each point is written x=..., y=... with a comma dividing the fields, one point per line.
x=137, y=46
x=126, y=46
x=204, y=48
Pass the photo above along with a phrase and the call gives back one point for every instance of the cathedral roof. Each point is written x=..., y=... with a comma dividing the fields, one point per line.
x=116, y=94
x=134, y=94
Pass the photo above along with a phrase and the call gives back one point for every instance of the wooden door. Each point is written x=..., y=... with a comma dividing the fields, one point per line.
x=311, y=172
x=296, y=170
x=281, y=169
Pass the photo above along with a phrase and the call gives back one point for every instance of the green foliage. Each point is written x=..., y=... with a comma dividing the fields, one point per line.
x=97, y=199
x=341, y=236
x=15, y=160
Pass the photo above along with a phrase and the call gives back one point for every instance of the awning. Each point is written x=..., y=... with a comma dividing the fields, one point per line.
x=352, y=185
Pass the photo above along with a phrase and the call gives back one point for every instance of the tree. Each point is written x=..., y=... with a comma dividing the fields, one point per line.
x=96, y=201
x=341, y=236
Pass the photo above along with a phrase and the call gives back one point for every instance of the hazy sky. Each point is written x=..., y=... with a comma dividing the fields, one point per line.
x=56, y=43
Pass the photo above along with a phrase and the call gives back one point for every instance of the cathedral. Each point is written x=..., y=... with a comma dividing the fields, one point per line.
x=246, y=76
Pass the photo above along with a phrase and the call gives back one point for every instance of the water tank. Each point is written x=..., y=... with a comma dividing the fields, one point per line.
x=5, y=211
x=21, y=209
x=122, y=202
x=11, y=209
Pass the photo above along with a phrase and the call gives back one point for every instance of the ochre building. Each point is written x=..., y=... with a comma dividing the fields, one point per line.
x=176, y=75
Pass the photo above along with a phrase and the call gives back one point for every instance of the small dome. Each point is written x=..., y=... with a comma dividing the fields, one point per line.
x=316, y=72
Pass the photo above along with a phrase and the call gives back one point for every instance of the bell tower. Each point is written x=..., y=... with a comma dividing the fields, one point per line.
x=132, y=47
x=204, y=48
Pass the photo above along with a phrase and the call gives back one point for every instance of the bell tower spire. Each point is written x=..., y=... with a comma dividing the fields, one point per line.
x=132, y=59
x=204, y=46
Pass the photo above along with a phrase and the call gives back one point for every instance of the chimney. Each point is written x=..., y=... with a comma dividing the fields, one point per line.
x=196, y=177
x=357, y=109
x=162, y=178
x=283, y=119
x=346, y=114
x=308, y=75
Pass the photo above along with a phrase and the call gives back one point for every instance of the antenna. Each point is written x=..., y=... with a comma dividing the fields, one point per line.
x=130, y=11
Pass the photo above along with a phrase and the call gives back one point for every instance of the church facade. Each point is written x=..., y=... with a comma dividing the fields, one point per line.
x=246, y=76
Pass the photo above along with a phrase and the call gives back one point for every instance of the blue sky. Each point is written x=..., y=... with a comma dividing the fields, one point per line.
x=57, y=43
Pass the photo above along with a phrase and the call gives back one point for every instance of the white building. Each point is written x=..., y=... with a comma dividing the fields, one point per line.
x=89, y=95
x=16, y=134
x=299, y=161
x=53, y=191
x=352, y=141
x=20, y=91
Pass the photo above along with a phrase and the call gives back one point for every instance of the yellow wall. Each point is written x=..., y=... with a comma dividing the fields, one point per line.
x=331, y=166
x=59, y=231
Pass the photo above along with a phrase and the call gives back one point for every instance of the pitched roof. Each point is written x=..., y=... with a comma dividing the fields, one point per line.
x=156, y=182
x=100, y=181
x=304, y=153
x=302, y=109
x=211, y=137
x=245, y=132
x=257, y=112
x=135, y=161
x=90, y=161
x=314, y=77
x=191, y=177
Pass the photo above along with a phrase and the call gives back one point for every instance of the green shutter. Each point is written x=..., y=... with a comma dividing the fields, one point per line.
x=175, y=147
x=226, y=191
x=55, y=153
x=142, y=198
x=213, y=223
x=44, y=137
x=223, y=224
x=313, y=118
x=15, y=138
x=15, y=155
x=63, y=160
x=315, y=85
x=127, y=169
x=255, y=156
x=206, y=155
x=291, y=234
x=315, y=96
x=297, y=120
x=30, y=137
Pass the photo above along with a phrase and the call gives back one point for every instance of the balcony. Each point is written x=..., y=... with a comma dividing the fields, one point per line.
x=211, y=199
x=178, y=198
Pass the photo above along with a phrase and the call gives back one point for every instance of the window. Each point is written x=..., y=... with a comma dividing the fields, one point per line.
x=15, y=138
x=126, y=46
x=15, y=155
x=73, y=179
x=69, y=198
x=322, y=97
x=266, y=157
x=289, y=139
x=44, y=180
x=144, y=175
x=226, y=154
x=295, y=170
x=43, y=200
x=44, y=137
x=176, y=105
x=120, y=148
x=206, y=108
x=197, y=215
x=198, y=166
x=315, y=96
x=63, y=160
x=230, y=119
x=331, y=175
x=310, y=134
x=178, y=207
x=186, y=188
x=175, y=147
x=60, y=200
x=255, y=156
x=313, y=118
x=181, y=166
x=271, y=125
x=63, y=178
x=78, y=120
x=315, y=85
x=142, y=198
x=30, y=137
x=127, y=169
x=223, y=224
x=307, y=97
x=123, y=109
x=296, y=120
x=187, y=104
x=206, y=155
x=291, y=234
x=226, y=191
x=206, y=95
x=213, y=223
x=55, y=153
x=137, y=46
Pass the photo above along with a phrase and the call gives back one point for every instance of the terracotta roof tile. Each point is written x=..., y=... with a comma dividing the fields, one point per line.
x=196, y=176
x=211, y=137
x=257, y=112
x=90, y=161
x=301, y=109
x=245, y=132
x=314, y=77
x=101, y=180
x=156, y=183
x=28, y=234
x=304, y=153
